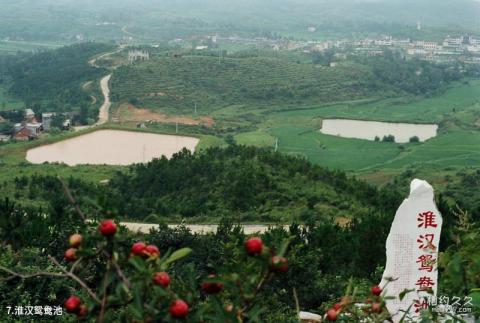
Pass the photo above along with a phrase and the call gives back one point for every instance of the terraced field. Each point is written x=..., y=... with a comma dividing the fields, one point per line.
x=175, y=84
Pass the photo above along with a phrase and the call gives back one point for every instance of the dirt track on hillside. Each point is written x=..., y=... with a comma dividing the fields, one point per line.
x=105, y=108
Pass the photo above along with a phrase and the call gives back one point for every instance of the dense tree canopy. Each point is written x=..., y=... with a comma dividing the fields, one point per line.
x=51, y=80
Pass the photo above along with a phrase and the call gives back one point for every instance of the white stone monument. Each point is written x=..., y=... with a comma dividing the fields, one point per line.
x=412, y=252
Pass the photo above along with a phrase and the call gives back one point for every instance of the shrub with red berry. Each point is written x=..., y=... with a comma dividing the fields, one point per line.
x=140, y=282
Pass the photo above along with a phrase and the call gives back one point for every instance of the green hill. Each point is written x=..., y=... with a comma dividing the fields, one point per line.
x=179, y=82
x=242, y=183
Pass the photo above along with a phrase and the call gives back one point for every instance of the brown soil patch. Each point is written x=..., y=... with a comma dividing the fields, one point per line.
x=130, y=113
x=343, y=221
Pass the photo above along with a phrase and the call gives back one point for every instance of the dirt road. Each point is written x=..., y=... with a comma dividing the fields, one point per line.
x=195, y=228
x=105, y=108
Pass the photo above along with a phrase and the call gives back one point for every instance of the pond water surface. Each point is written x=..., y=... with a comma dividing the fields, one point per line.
x=370, y=129
x=111, y=147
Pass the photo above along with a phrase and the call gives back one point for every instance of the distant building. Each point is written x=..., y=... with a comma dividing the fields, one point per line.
x=34, y=128
x=311, y=29
x=47, y=118
x=138, y=55
x=387, y=41
x=24, y=134
x=29, y=115
x=201, y=47
x=66, y=124
x=452, y=42
x=466, y=40
x=427, y=45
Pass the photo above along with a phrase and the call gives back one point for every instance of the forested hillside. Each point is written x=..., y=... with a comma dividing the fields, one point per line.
x=52, y=79
x=241, y=183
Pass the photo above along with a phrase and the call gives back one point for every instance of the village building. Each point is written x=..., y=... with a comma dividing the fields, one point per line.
x=24, y=134
x=47, y=118
x=66, y=124
x=138, y=55
x=27, y=131
x=30, y=115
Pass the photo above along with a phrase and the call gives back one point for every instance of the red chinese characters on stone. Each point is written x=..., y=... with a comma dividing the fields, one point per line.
x=425, y=283
x=426, y=242
x=420, y=305
x=426, y=262
x=426, y=219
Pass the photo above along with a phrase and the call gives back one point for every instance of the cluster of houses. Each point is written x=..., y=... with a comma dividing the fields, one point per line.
x=30, y=128
x=465, y=48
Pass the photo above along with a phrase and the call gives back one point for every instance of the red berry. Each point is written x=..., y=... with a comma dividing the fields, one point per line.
x=254, y=246
x=72, y=304
x=108, y=228
x=332, y=315
x=138, y=248
x=376, y=290
x=278, y=264
x=82, y=311
x=151, y=251
x=179, y=309
x=71, y=254
x=75, y=240
x=162, y=279
x=337, y=307
x=212, y=287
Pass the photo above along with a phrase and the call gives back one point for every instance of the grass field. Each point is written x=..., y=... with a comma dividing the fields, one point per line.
x=20, y=46
x=457, y=144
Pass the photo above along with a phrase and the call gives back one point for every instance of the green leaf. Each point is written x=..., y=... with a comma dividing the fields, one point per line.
x=135, y=312
x=284, y=247
x=401, y=296
x=475, y=298
x=137, y=263
x=122, y=291
x=254, y=313
x=177, y=255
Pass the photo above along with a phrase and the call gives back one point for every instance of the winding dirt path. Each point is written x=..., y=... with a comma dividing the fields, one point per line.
x=104, y=111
